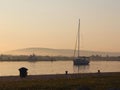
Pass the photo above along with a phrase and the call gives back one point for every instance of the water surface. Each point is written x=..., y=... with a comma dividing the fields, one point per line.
x=57, y=67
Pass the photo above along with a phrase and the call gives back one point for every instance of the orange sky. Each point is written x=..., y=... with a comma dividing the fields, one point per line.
x=53, y=24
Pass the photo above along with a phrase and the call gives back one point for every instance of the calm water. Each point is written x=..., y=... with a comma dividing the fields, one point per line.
x=57, y=67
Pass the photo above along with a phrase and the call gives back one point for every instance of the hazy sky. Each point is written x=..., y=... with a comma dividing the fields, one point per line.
x=54, y=23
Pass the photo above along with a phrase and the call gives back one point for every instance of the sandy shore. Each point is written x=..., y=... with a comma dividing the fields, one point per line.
x=56, y=76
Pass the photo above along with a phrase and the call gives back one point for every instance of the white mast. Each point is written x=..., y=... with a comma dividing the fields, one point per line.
x=79, y=39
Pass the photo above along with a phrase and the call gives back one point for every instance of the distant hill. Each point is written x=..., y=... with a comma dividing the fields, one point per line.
x=57, y=52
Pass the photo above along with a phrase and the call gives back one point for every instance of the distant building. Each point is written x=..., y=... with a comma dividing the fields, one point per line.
x=32, y=57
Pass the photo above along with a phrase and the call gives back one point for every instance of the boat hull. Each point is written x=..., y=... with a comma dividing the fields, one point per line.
x=81, y=61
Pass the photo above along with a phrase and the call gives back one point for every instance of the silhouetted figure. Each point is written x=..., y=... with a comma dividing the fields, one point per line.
x=23, y=72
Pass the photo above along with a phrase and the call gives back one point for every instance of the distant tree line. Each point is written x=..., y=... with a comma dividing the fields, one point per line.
x=53, y=58
x=32, y=58
x=105, y=58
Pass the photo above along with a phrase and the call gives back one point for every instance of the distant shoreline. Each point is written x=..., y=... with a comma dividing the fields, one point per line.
x=47, y=60
x=34, y=58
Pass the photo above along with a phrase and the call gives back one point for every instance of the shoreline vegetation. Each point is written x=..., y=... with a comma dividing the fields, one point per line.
x=86, y=81
x=54, y=58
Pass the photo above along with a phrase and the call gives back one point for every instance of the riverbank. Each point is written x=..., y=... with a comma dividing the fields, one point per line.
x=89, y=81
x=34, y=58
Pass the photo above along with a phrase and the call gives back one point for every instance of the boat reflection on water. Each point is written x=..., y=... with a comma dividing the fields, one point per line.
x=81, y=68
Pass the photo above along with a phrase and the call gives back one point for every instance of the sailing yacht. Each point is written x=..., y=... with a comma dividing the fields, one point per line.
x=80, y=60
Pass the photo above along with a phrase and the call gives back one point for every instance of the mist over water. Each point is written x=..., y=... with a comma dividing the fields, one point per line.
x=57, y=52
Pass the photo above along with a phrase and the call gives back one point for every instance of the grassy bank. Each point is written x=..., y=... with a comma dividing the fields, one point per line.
x=103, y=81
